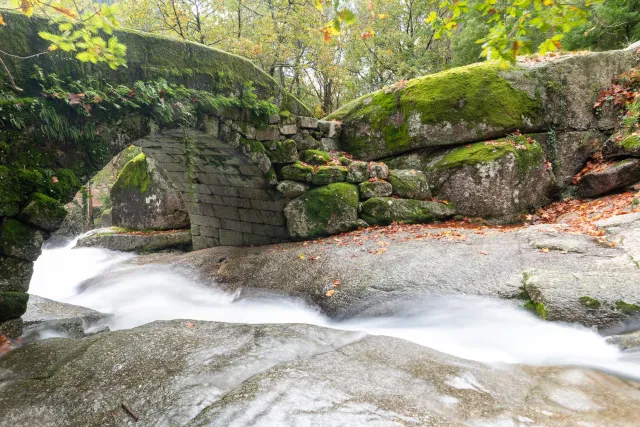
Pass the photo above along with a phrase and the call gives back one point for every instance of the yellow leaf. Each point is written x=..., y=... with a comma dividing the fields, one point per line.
x=330, y=293
x=26, y=7
x=2, y=20
x=301, y=256
x=545, y=250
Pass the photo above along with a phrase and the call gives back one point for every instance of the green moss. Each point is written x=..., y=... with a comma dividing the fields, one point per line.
x=12, y=305
x=297, y=172
x=134, y=175
x=631, y=143
x=43, y=212
x=528, y=156
x=385, y=210
x=345, y=161
x=282, y=151
x=626, y=308
x=329, y=174
x=589, y=302
x=14, y=234
x=473, y=95
x=324, y=204
x=315, y=157
x=536, y=307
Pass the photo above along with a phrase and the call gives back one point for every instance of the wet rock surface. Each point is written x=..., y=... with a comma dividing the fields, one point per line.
x=541, y=264
x=116, y=241
x=203, y=373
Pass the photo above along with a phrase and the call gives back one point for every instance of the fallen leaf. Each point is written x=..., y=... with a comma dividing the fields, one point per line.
x=54, y=179
x=301, y=256
x=189, y=325
x=336, y=283
x=484, y=252
x=545, y=250
x=330, y=293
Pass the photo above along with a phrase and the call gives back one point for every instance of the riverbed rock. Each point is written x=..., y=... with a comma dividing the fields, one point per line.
x=144, y=199
x=139, y=242
x=288, y=375
x=481, y=101
x=499, y=179
x=324, y=210
x=385, y=210
x=560, y=269
x=409, y=184
x=619, y=174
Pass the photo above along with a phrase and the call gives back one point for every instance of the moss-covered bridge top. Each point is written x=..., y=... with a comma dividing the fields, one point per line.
x=149, y=57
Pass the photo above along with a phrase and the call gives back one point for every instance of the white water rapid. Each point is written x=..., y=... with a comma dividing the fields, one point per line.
x=473, y=328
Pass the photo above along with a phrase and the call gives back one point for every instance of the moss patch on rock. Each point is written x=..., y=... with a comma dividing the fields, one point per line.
x=590, y=302
x=315, y=157
x=43, y=212
x=385, y=210
x=329, y=174
x=297, y=172
x=528, y=153
x=537, y=307
x=323, y=211
x=134, y=175
x=475, y=97
x=282, y=151
x=12, y=305
x=627, y=308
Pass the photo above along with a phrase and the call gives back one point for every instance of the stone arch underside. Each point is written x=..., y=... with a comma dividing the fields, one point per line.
x=227, y=195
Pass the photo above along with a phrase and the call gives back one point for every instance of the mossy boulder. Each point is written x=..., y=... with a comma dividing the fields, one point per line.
x=15, y=274
x=323, y=211
x=496, y=179
x=456, y=106
x=12, y=305
x=358, y=171
x=371, y=189
x=385, y=210
x=297, y=172
x=143, y=198
x=282, y=151
x=619, y=174
x=315, y=157
x=329, y=174
x=20, y=240
x=409, y=184
x=43, y=212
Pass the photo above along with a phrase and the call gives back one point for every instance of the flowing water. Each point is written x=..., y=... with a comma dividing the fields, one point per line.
x=473, y=328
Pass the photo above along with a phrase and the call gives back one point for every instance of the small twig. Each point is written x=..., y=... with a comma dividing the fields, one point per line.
x=129, y=412
x=13, y=83
x=24, y=57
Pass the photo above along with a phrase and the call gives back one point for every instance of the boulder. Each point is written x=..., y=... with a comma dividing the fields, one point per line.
x=409, y=184
x=617, y=175
x=282, y=151
x=12, y=304
x=15, y=274
x=358, y=172
x=297, y=171
x=499, y=179
x=329, y=174
x=378, y=170
x=19, y=240
x=315, y=157
x=304, y=141
x=43, y=212
x=385, y=210
x=139, y=242
x=371, y=189
x=289, y=375
x=143, y=198
x=568, y=152
x=481, y=101
x=291, y=189
x=322, y=211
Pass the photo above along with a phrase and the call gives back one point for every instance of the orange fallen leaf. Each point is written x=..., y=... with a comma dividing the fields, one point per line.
x=189, y=325
x=330, y=293
x=545, y=250
x=336, y=283
x=484, y=252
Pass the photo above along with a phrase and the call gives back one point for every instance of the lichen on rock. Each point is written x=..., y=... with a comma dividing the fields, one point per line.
x=385, y=210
